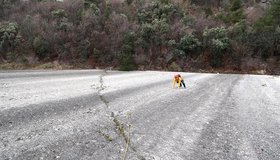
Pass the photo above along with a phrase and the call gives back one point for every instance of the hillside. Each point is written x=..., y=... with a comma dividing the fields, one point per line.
x=175, y=35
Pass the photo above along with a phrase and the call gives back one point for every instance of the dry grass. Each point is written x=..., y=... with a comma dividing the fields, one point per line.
x=22, y=66
x=12, y=66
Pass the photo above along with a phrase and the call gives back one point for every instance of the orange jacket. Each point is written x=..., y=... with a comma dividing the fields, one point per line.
x=177, y=80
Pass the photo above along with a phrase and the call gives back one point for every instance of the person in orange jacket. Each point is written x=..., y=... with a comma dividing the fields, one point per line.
x=179, y=80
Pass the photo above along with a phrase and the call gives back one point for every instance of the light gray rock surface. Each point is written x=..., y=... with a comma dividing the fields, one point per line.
x=93, y=114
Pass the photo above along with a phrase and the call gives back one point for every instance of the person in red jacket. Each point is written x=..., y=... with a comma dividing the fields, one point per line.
x=179, y=80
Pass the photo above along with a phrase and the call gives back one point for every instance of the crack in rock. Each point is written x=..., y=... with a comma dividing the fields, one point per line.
x=119, y=126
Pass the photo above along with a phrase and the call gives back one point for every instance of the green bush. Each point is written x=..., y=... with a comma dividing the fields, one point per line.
x=147, y=31
x=127, y=63
x=188, y=20
x=236, y=16
x=6, y=5
x=208, y=11
x=238, y=31
x=64, y=25
x=129, y=2
x=96, y=11
x=236, y=11
x=41, y=47
x=158, y=9
x=263, y=44
x=217, y=49
x=217, y=41
x=188, y=45
x=108, y=10
x=126, y=58
x=9, y=37
x=155, y=32
x=160, y=27
x=270, y=21
x=83, y=49
x=174, y=67
x=235, y=5
x=11, y=57
x=265, y=41
x=59, y=13
x=155, y=20
x=88, y=3
x=213, y=33
x=27, y=29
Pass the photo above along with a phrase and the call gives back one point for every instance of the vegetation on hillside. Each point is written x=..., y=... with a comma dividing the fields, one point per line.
x=185, y=35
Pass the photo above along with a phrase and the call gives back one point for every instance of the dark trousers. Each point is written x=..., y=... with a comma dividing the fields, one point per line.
x=182, y=82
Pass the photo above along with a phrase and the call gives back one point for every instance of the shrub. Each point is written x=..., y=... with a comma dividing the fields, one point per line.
x=5, y=5
x=91, y=16
x=217, y=49
x=95, y=10
x=8, y=36
x=27, y=29
x=11, y=56
x=64, y=25
x=155, y=32
x=127, y=62
x=88, y=3
x=188, y=20
x=214, y=3
x=129, y=2
x=174, y=67
x=107, y=10
x=270, y=21
x=160, y=27
x=84, y=47
x=235, y=5
x=235, y=14
x=188, y=45
x=217, y=41
x=208, y=11
x=41, y=47
x=159, y=9
x=238, y=31
x=263, y=44
x=59, y=13
x=213, y=33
